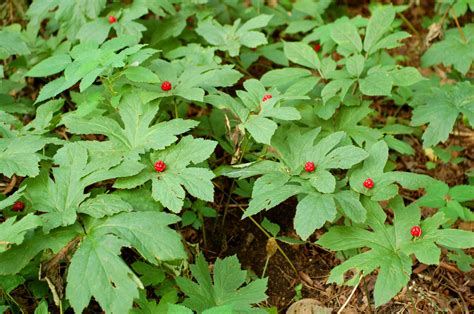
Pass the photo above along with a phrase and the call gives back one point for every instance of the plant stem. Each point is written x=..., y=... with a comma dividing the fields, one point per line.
x=265, y=266
x=278, y=246
x=350, y=296
x=409, y=24
x=263, y=230
x=366, y=291
x=204, y=238
x=459, y=27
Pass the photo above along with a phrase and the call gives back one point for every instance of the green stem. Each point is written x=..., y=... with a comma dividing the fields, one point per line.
x=204, y=238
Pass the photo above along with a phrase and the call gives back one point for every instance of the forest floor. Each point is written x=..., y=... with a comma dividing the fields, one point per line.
x=437, y=288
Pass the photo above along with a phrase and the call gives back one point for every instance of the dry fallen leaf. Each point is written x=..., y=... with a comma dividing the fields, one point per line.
x=308, y=306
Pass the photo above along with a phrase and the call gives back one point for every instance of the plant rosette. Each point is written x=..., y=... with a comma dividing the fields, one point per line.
x=319, y=192
x=391, y=246
x=384, y=187
x=180, y=174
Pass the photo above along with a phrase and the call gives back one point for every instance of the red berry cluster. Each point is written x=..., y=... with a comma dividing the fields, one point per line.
x=267, y=97
x=112, y=19
x=415, y=231
x=160, y=166
x=309, y=166
x=166, y=86
x=317, y=47
x=369, y=183
x=18, y=206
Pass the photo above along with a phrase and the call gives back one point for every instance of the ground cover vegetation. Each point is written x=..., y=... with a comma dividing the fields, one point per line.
x=230, y=156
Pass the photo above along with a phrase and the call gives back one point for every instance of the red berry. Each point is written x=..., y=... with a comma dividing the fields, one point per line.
x=160, y=166
x=18, y=206
x=369, y=183
x=317, y=47
x=166, y=86
x=309, y=166
x=266, y=97
x=112, y=19
x=415, y=231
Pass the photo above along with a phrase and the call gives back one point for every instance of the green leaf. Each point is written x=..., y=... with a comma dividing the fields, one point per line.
x=53, y=88
x=344, y=238
x=398, y=145
x=141, y=75
x=225, y=289
x=391, y=246
x=345, y=34
x=312, y=212
x=355, y=65
x=96, y=270
x=323, y=181
x=231, y=38
x=147, y=232
x=454, y=238
x=18, y=155
x=302, y=54
x=441, y=109
x=452, y=50
x=11, y=43
x=394, y=274
x=44, y=115
x=167, y=185
x=42, y=308
x=343, y=157
x=247, y=170
x=377, y=83
x=462, y=193
x=50, y=66
x=350, y=205
x=12, y=232
x=269, y=191
x=168, y=191
x=17, y=257
x=406, y=76
x=463, y=261
x=259, y=21
x=390, y=41
x=178, y=309
x=78, y=167
x=378, y=25
x=136, y=135
x=94, y=31
x=261, y=129
x=151, y=275
x=104, y=205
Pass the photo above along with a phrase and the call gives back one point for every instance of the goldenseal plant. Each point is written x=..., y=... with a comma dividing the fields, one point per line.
x=129, y=129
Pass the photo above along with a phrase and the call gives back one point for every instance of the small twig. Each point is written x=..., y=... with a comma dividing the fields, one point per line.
x=350, y=296
x=459, y=27
x=265, y=266
x=366, y=291
x=409, y=24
